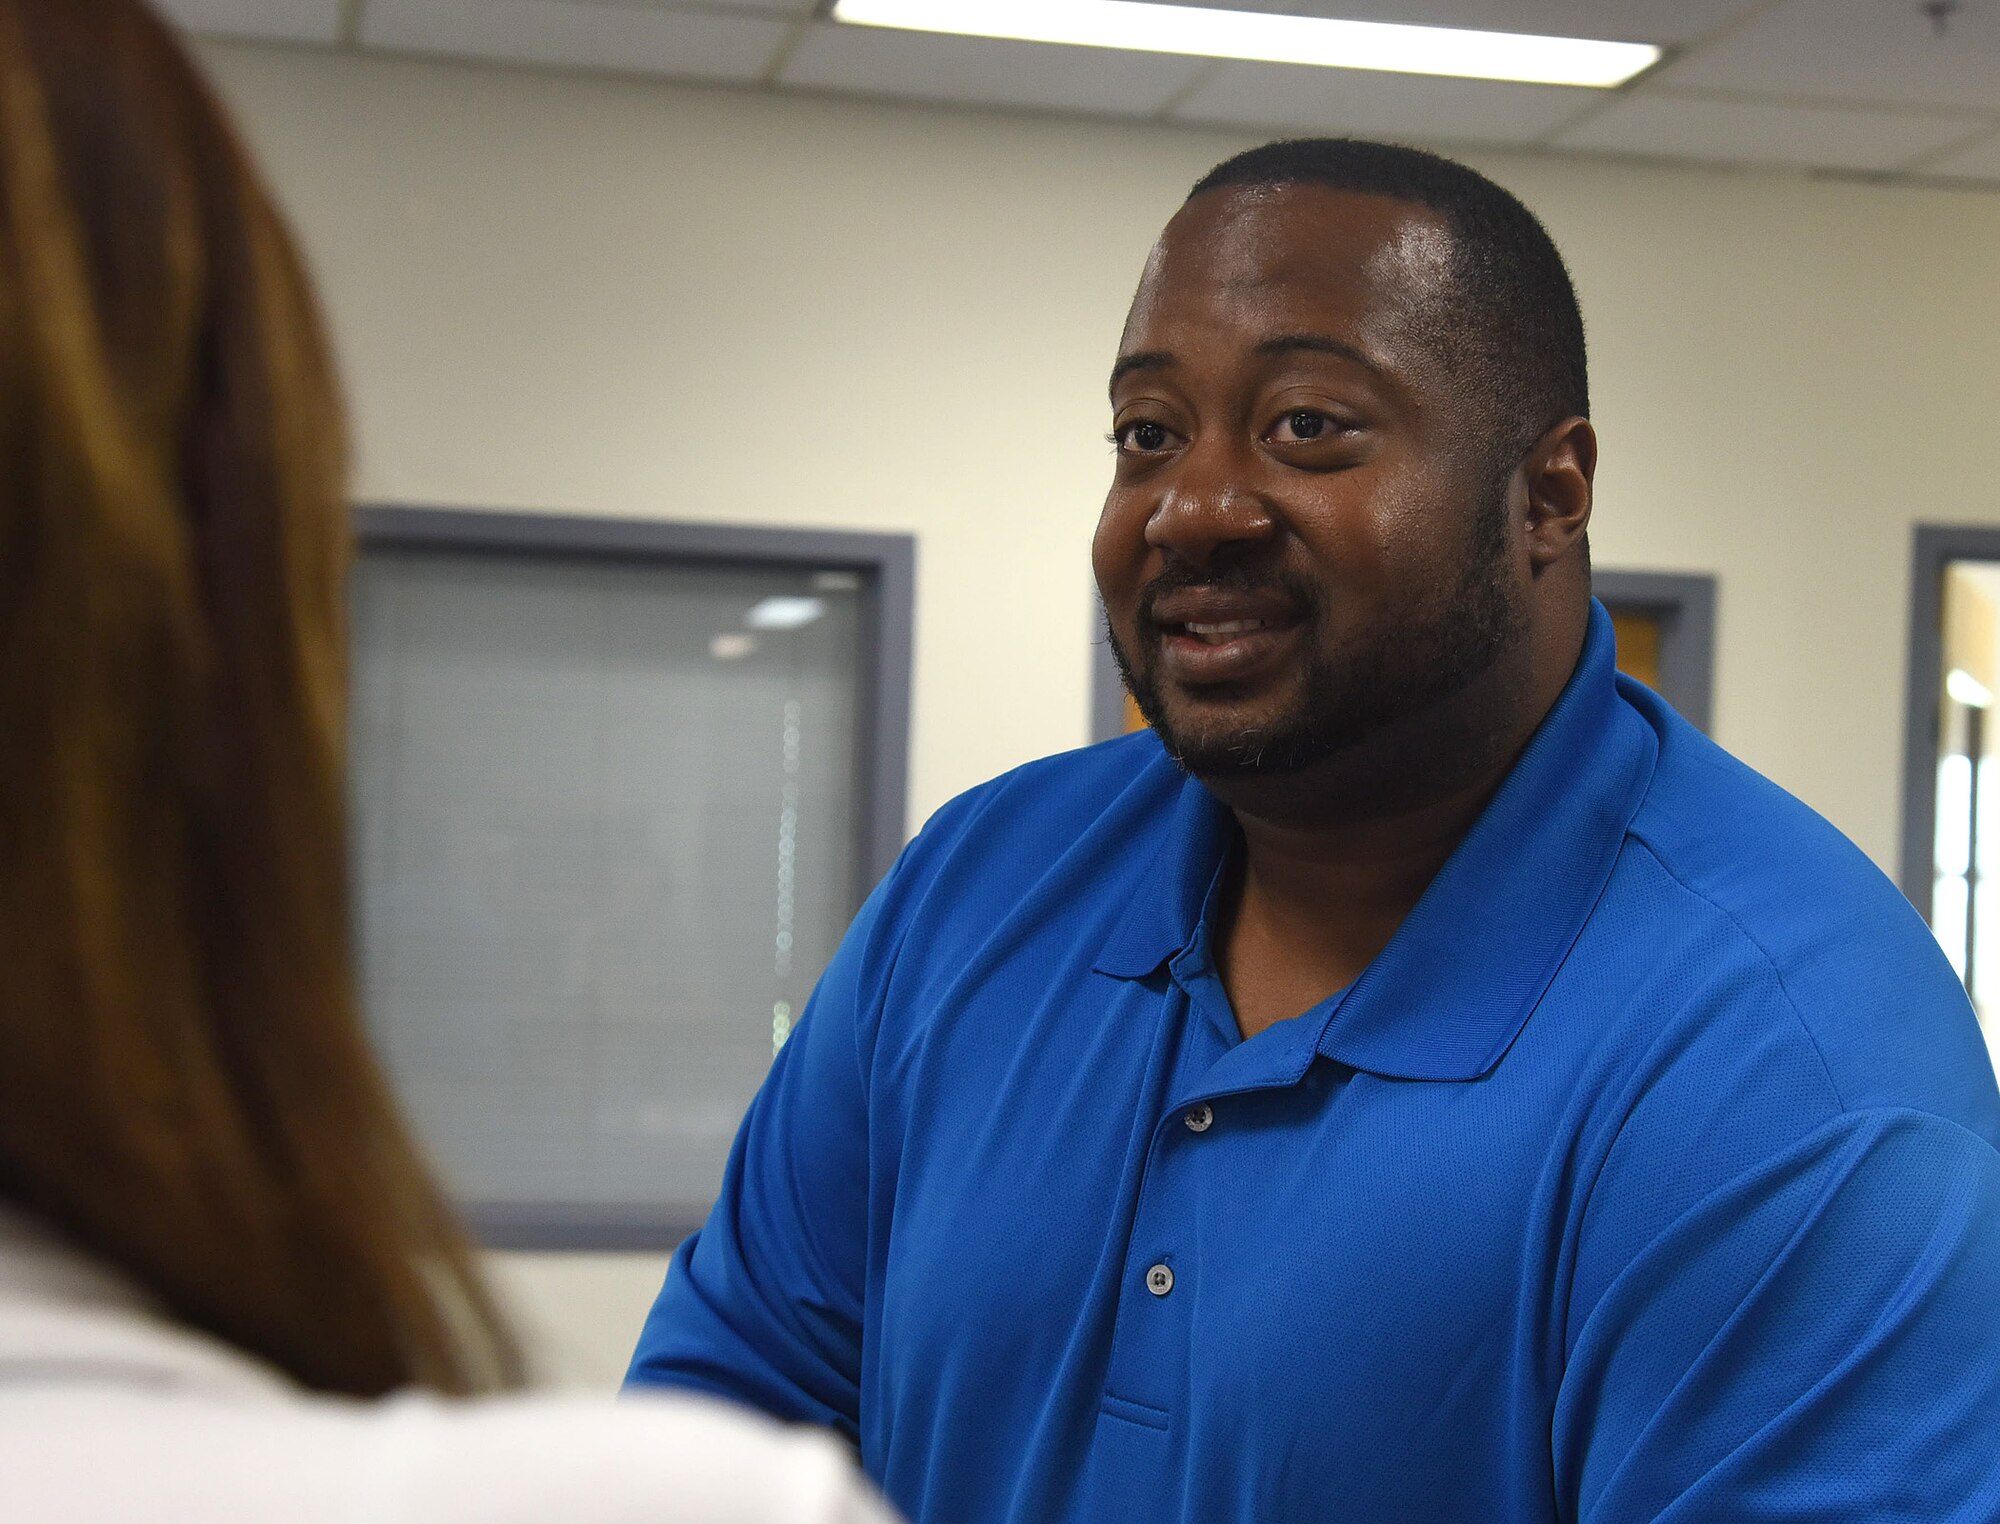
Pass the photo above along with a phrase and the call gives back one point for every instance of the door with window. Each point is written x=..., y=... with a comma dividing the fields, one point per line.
x=1951, y=846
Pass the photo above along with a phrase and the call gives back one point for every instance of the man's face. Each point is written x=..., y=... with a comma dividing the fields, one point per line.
x=1307, y=537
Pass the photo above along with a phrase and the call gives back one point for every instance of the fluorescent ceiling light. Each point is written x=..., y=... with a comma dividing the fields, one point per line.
x=732, y=645
x=784, y=613
x=1153, y=28
x=1967, y=689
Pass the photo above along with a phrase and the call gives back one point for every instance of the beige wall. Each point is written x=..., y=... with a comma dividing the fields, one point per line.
x=637, y=299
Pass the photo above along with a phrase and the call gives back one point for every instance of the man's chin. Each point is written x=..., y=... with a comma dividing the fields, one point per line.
x=1217, y=753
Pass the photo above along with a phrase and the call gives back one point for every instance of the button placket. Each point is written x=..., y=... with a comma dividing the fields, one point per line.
x=1149, y=1355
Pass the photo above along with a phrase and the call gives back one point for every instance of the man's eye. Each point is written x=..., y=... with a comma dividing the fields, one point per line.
x=1302, y=424
x=1142, y=437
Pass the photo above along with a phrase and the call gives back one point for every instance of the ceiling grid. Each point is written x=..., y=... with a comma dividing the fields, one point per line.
x=1720, y=28
x=1875, y=87
x=776, y=67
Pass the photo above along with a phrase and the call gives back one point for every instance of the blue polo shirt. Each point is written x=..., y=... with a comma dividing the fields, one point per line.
x=1648, y=1173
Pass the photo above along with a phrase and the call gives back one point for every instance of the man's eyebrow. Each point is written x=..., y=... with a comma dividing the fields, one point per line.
x=1144, y=359
x=1282, y=344
x=1318, y=343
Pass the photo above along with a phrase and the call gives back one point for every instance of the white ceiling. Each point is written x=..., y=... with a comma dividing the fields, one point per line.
x=1857, y=85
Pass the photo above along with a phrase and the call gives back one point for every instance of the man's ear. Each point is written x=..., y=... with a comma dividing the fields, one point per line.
x=1557, y=474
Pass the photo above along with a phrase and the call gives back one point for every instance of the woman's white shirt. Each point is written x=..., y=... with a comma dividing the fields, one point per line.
x=108, y=1412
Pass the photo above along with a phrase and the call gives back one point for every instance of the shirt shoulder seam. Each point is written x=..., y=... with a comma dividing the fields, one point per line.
x=1770, y=962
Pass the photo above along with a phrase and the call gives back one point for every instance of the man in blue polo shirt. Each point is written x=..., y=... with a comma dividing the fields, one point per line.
x=1422, y=1078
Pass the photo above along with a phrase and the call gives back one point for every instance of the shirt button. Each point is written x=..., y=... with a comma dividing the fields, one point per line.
x=1159, y=1280
x=1199, y=1119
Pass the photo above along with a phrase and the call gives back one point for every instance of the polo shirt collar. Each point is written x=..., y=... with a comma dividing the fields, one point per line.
x=1172, y=893
x=1448, y=995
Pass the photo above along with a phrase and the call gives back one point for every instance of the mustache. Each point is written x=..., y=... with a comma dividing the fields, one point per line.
x=1297, y=591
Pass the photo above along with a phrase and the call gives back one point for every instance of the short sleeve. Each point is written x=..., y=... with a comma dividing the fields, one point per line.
x=764, y=1304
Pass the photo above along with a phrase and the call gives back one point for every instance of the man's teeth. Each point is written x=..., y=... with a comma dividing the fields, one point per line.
x=1216, y=634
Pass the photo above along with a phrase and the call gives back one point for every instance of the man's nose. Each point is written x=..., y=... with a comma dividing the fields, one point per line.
x=1209, y=507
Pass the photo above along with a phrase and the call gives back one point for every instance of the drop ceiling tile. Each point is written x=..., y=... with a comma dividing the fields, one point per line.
x=1976, y=161
x=1369, y=103
x=1885, y=51
x=579, y=34
x=1743, y=132
x=268, y=20
x=1610, y=20
x=983, y=71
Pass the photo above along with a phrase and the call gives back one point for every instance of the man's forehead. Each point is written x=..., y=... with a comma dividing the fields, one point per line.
x=1307, y=240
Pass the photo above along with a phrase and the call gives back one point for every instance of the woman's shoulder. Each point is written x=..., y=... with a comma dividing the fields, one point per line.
x=69, y=1320
x=85, y=1453
x=109, y=1411
x=645, y=1457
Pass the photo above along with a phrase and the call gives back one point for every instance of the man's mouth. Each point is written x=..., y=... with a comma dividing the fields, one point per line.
x=1201, y=652
x=1219, y=633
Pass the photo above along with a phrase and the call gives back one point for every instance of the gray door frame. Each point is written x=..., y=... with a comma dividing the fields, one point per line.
x=1107, y=688
x=1684, y=603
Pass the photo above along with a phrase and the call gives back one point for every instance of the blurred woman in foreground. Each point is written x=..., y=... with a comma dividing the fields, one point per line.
x=214, y=1230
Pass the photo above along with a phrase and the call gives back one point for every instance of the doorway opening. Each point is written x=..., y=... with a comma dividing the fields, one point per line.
x=1951, y=810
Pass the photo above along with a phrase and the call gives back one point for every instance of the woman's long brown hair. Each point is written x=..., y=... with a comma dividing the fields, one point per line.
x=185, y=1086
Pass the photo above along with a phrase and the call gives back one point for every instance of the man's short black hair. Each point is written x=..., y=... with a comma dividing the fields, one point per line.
x=1514, y=330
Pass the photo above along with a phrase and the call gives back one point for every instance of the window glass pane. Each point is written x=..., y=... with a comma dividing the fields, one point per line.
x=1953, y=841
x=1985, y=915
x=1989, y=820
x=1948, y=920
x=605, y=841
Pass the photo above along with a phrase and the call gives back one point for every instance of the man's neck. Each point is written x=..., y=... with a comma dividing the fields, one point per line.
x=1336, y=856
x=1311, y=905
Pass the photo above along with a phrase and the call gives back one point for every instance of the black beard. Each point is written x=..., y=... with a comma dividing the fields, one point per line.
x=1347, y=698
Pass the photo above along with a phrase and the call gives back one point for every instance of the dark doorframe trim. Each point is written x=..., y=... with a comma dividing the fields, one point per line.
x=1935, y=547
x=1684, y=603
x=1107, y=688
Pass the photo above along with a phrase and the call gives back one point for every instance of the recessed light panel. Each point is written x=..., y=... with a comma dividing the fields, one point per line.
x=1264, y=38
